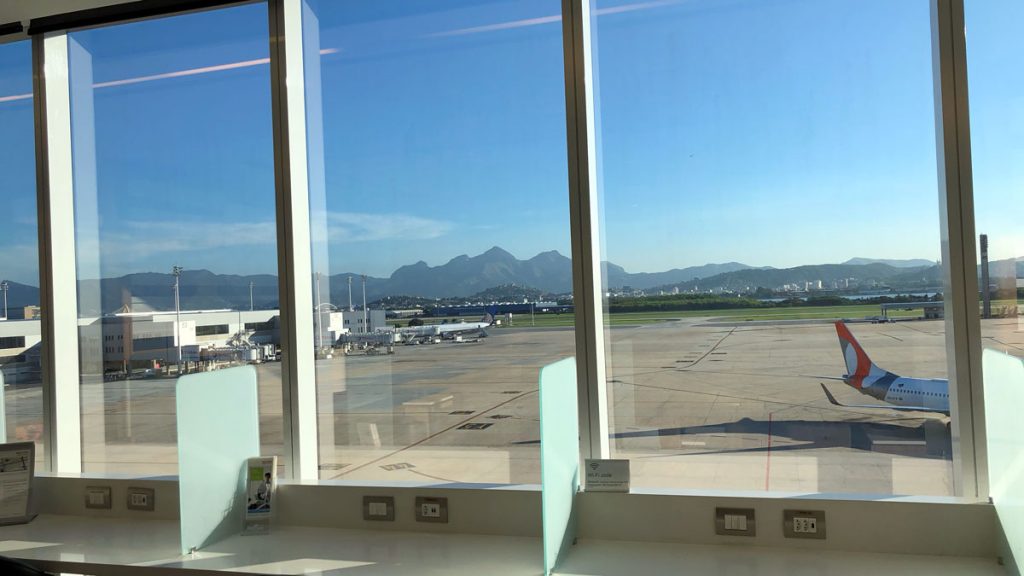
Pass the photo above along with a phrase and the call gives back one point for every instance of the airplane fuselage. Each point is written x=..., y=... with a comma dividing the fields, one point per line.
x=931, y=394
x=443, y=329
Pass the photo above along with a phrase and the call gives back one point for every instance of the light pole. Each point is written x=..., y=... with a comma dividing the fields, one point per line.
x=3, y=286
x=176, y=270
x=250, y=296
x=366, y=327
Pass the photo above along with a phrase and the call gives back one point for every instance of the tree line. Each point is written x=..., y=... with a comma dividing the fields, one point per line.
x=683, y=302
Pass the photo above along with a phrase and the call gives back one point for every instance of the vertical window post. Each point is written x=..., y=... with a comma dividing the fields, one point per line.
x=293, y=238
x=580, y=109
x=58, y=286
x=963, y=328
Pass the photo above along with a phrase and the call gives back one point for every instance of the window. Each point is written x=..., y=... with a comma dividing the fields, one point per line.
x=20, y=335
x=175, y=225
x=9, y=342
x=437, y=179
x=769, y=197
x=993, y=53
x=768, y=219
x=211, y=330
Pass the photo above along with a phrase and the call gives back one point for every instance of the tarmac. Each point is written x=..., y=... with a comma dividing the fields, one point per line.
x=694, y=404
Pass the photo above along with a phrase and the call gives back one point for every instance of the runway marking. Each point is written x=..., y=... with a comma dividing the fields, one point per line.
x=1007, y=344
x=710, y=350
x=909, y=327
x=434, y=477
x=434, y=435
x=398, y=466
x=891, y=336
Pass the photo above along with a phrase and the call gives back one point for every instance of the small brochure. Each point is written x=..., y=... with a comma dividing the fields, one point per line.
x=260, y=486
x=17, y=468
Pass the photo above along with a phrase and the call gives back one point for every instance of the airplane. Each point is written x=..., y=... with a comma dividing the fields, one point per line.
x=899, y=392
x=447, y=330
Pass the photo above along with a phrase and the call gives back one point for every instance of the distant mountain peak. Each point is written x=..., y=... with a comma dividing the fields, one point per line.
x=497, y=252
x=895, y=263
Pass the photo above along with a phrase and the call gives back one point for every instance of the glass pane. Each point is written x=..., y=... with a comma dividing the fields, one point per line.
x=560, y=458
x=994, y=52
x=20, y=339
x=439, y=206
x=772, y=226
x=218, y=434
x=176, y=240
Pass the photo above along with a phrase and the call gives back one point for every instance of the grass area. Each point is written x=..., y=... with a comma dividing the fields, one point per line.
x=739, y=314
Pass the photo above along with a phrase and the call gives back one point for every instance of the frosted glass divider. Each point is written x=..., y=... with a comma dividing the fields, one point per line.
x=559, y=458
x=218, y=430
x=1004, y=397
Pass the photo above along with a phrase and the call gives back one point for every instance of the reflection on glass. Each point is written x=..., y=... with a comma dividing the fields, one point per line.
x=993, y=58
x=439, y=216
x=175, y=234
x=772, y=226
x=20, y=336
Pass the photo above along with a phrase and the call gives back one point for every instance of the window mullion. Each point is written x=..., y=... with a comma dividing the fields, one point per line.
x=294, y=259
x=963, y=338
x=58, y=286
x=580, y=91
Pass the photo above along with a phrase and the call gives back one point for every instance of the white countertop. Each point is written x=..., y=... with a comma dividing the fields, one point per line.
x=118, y=546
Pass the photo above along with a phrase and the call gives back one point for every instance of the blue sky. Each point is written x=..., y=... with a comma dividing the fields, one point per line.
x=771, y=133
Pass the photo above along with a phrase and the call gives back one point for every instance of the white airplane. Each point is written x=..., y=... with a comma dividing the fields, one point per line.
x=916, y=394
x=447, y=330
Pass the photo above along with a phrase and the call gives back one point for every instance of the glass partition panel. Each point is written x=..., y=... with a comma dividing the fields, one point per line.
x=1004, y=394
x=175, y=228
x=560, y=459
x=20, y=335
x=771, y=227
x=218, y=431
x=439, y=219
x=994, y=64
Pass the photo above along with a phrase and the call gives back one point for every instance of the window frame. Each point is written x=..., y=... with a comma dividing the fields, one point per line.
x=57, y=264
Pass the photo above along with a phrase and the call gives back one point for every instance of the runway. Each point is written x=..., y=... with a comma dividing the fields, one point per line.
x=694, y=404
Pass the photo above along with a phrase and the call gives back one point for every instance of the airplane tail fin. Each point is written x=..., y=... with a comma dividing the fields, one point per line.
x=858, y=365
x=489, y=315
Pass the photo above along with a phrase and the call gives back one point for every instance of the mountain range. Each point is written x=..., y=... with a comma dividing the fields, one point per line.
x=464, y=276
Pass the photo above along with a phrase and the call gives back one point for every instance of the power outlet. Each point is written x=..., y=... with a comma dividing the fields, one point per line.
x=803, y=524
x=431, y=509
x=143, y=499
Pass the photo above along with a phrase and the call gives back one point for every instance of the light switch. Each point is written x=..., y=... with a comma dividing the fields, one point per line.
x=735, y=522
x=379, y=508
x=97, y=497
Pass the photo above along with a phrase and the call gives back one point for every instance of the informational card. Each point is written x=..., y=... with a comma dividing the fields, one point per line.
x=260, y=486
x=17, y=467
x=607, y=475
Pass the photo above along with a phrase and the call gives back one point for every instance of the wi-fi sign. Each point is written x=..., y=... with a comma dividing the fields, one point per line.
x=594, y=465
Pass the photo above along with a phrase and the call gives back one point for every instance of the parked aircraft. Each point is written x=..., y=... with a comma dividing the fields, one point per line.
x=899, y=392
x=447, y=330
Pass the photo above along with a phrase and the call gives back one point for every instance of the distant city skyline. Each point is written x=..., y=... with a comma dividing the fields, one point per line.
x=772, y=134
